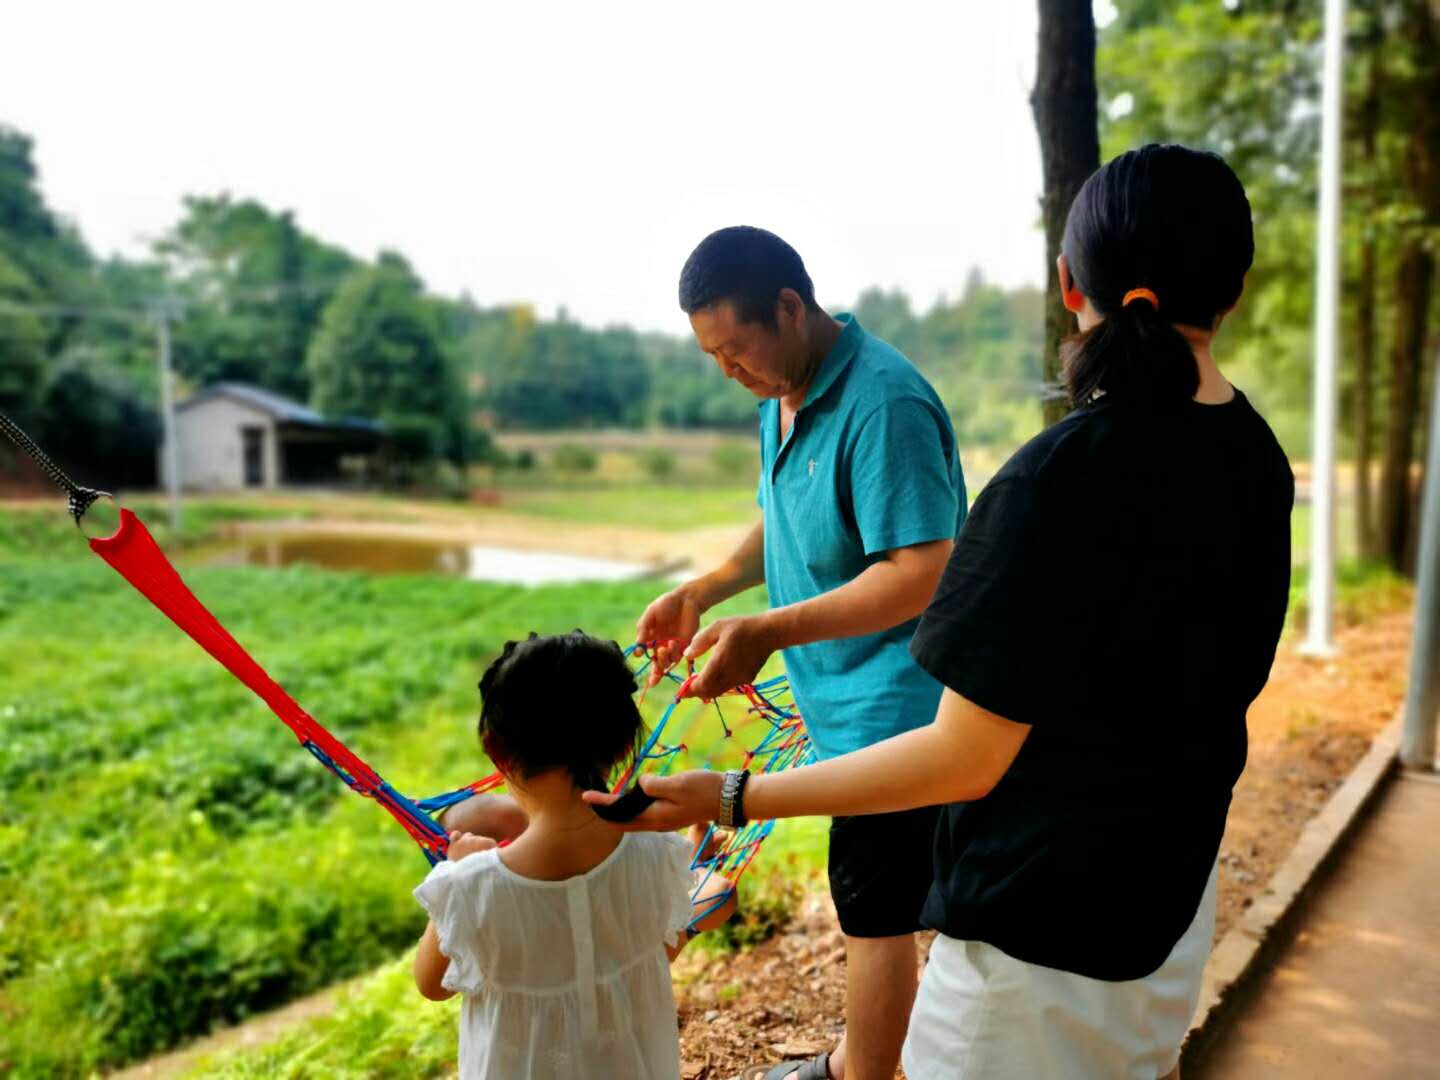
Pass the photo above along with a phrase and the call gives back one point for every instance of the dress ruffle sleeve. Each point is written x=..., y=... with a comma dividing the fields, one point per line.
x=452, y=894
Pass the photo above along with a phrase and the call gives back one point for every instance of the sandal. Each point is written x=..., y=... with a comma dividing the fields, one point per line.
x=817, y=1068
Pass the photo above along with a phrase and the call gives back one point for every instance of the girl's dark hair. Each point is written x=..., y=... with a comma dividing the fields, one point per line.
x=1165, y=218
x=560, y=701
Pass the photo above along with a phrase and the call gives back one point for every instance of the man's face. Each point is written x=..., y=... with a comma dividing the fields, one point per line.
x=769, y=363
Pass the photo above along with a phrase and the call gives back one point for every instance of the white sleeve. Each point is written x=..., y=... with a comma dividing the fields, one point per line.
x=453, y=896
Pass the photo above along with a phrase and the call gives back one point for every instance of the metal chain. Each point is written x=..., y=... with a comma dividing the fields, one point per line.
x=80, y=497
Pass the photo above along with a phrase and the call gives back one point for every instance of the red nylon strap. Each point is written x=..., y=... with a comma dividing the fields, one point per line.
x=133, y=553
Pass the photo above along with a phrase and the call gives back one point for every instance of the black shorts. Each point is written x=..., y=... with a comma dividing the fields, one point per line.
x=881, y=870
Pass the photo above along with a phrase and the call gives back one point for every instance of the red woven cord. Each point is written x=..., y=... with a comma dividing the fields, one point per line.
x=133, y=553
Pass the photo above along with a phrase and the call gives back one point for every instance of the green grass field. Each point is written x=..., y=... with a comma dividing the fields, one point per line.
x=169, y=858
x=653, y=506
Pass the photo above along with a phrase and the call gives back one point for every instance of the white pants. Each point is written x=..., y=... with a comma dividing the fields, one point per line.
x=983, y=1015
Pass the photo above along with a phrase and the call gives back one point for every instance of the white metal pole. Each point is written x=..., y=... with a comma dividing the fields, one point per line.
x=1318, y=639
x=167, y=413
x=1422, y=699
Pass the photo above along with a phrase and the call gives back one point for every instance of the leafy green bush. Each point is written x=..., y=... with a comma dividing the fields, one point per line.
x=169, y=858
x=734, y=461
x=574, y=458
x=1363, y=589
x=766, y=905
x=381, y=1030
x=658, y=462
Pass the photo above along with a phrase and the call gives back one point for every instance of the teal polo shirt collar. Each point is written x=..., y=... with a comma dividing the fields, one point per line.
x=836, y=360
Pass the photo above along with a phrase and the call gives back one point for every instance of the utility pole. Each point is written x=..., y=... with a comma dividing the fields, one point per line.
x=1319, y=638
x=163, y=311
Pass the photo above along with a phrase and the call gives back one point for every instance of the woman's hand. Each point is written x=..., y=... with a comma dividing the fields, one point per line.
x=738, y=647
x=464, y=843
x=687, y=798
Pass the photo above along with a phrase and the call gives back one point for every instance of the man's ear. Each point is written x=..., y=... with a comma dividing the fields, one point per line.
x=790, y=309
x=1071, y=296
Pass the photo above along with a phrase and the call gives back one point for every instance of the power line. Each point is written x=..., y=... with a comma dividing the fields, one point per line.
x=65, y=311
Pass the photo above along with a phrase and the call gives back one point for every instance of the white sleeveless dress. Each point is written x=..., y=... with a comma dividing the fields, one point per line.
x=565, y=979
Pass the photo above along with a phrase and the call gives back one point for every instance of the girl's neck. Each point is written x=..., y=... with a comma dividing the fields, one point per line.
x=564, y=837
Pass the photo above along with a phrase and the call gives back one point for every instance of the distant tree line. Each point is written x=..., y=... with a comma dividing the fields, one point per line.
x=260, y=300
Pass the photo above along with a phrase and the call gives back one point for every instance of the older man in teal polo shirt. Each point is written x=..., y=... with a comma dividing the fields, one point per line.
x=861, y=496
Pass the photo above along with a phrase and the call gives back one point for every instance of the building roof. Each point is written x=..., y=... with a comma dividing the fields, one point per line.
x=278, y=407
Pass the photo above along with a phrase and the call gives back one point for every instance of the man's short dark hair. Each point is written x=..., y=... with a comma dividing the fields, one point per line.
x=746, y=266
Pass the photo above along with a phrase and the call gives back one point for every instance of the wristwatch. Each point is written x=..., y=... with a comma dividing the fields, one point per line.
x=732, y=794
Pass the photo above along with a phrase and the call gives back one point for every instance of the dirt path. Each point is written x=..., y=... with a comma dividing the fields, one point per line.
x=257, y=1032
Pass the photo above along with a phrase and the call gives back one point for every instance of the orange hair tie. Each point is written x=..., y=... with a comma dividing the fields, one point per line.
x=1140, y=294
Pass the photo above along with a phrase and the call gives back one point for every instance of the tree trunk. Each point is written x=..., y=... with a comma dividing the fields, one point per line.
x=1414, y=276
x=1364, y=378
x=1067, y=121
x=1414, y=282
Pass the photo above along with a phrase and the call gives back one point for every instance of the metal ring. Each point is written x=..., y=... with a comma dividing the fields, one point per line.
x=91, y=497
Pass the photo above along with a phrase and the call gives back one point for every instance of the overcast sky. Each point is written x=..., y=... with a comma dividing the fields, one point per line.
x=554, y=153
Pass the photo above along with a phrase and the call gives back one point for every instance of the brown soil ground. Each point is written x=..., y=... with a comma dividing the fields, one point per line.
x=1308, y=728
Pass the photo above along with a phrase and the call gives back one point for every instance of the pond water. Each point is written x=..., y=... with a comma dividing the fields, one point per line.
x=393, y=555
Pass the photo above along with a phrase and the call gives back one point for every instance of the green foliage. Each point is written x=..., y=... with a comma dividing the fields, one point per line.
x=658, y=462
x=547, y=374
x=981, y=353
x=1364, y=588
x=1244, y=83
x=48, y=532
x=1242, y=79
x=257, y=285
x=735, y=462
x=169, y=859
x=99, y=410
x=381, y=1030
x=574, y=458
x=379, y=352
x=46, y=251
x=766, y=904
x=23, y=343
x=654, y=505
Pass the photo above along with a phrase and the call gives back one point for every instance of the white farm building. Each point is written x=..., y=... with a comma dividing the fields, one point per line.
x=235, y=435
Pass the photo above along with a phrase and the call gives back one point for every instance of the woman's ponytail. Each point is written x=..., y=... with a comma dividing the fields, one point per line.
x=1136, y=354
x=1159, y=237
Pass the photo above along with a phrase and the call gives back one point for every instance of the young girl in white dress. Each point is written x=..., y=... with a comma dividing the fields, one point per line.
x=561, y=940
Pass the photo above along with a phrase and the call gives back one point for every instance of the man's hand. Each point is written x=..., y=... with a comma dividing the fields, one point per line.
x=464, y=843
x=741, y=646
x=687, y=798
x=670, y=622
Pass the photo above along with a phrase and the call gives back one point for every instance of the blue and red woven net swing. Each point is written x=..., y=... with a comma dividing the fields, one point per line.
x=782, y=742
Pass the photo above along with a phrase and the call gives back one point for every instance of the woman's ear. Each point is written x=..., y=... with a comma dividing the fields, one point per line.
x=1073, y=299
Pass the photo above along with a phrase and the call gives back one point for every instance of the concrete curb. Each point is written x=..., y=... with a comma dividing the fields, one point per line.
x=1248, y=946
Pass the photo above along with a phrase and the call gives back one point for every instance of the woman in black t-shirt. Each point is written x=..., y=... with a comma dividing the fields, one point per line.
x=1111, y=608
